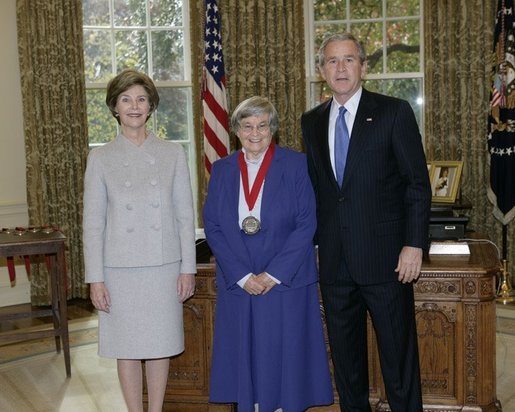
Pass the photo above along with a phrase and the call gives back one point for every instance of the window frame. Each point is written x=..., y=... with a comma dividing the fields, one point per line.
x=313, y=77
x=189, y=144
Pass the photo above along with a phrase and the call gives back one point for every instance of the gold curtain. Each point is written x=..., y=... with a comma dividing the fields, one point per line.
x=55, y=127
x=458, y=46
x=263, y=48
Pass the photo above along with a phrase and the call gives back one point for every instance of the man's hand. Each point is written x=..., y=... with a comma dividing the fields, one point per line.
x=100, y=296
x=410, y=263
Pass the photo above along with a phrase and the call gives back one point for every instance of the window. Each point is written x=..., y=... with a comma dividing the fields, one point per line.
x=151, y=36
x=392, y=33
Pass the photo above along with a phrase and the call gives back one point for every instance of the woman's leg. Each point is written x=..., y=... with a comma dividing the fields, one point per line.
x=131, y=380
x=157, y=378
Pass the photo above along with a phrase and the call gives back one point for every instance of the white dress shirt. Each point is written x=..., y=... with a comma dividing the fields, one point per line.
x=243, y=209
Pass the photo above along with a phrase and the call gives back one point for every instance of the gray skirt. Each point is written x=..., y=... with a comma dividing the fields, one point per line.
x=145, y=319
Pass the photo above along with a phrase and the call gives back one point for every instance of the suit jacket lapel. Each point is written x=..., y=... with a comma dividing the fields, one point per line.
x=272, y=183
x=358, y=141
x=233, y=190
x=323, y=142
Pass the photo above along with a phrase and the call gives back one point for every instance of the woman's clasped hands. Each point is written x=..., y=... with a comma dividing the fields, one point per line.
x=259, y=284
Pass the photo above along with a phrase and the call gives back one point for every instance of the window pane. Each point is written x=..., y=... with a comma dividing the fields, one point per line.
x=329, y=10
x=101, y=123
x=403, y=39
x=95, y=12
x=320, y=92
x=168, y=55
x=97, y=56
x=407, y=89
x=166, y=13
x=131, y=50
x=371, y=34
x=398, y=8
x=129, y=13
x=325, y=30
x=366, y=9
x=172, y=114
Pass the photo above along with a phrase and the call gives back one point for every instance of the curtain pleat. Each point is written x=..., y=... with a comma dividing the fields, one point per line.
x=458, y=46
x=263, y=48
x=55, y=128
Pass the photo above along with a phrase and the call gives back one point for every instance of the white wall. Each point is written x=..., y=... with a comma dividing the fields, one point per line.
x=13, y=199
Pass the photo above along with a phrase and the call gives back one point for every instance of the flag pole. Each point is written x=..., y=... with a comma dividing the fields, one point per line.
x=501, y=135
x=504, y=241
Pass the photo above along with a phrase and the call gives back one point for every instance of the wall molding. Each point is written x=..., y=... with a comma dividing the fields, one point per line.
x=13, y=208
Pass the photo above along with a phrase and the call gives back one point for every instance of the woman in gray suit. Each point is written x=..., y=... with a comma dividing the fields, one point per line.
x=139, y=242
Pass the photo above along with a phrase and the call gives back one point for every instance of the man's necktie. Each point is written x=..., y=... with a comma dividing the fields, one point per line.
x=341, y=145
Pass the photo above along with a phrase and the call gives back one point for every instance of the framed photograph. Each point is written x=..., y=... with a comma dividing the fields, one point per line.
x=445, y=180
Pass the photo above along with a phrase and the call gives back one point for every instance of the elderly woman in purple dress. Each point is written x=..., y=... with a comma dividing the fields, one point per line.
x=259, y=220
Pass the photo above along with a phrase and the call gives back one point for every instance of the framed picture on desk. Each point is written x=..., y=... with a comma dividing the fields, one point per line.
x=445, y=180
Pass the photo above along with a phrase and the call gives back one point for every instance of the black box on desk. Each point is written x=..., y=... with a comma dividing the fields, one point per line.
x=447, y=227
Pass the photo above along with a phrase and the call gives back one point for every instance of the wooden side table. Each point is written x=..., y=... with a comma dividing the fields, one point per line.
x=41, y=242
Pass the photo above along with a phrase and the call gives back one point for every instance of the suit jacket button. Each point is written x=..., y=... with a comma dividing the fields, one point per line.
x=341, y=199
x=130, y=229
x=128, y=206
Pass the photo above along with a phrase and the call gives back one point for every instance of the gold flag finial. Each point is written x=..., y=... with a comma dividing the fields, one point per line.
x=505, y=290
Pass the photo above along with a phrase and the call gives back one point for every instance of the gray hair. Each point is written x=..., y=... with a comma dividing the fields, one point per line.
x=341, y=37
x=255, y=106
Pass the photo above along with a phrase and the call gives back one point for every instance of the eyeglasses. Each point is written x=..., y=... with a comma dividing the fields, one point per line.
x=260, y=128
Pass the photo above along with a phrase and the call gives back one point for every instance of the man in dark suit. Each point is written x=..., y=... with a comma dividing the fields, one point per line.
x=372, y=227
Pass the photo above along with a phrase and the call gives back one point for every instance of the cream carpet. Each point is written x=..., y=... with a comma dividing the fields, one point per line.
x=81, y=332
x=33, y=377
x=38, y=383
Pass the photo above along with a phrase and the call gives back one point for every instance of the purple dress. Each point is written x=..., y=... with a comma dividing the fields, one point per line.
x=267, y=349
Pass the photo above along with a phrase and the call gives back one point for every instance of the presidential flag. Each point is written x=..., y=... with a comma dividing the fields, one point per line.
x=501, y=120
x=214, y=101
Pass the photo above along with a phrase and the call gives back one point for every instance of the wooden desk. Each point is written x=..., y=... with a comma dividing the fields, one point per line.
x=456, y=322
x=40, y=243
x=455, y=310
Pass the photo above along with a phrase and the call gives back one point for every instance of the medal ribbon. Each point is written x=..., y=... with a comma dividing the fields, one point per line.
x=252, y=195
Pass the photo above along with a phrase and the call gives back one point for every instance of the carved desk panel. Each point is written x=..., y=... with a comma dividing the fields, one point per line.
x=455, y=310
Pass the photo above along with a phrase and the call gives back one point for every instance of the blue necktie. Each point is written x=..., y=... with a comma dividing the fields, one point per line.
x=341, y=145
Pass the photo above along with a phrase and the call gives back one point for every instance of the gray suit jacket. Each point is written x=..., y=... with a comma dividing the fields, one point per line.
x=138, y=207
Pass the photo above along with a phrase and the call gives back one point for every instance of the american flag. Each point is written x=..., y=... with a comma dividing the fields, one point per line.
x=501, y=119
x=214, y=101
